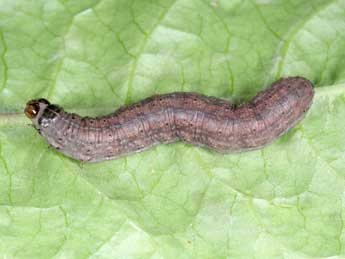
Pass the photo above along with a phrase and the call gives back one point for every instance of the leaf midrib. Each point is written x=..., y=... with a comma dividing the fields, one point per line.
x=8, y=119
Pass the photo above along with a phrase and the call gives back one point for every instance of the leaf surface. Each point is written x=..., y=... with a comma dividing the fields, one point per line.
x=176, y=200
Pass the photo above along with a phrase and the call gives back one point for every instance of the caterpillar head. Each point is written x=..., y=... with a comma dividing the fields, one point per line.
x=35, y=108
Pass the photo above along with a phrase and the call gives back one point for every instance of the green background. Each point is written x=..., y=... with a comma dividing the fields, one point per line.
x=173, y=201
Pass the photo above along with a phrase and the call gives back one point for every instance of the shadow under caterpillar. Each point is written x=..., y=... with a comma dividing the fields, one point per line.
x=193, y=118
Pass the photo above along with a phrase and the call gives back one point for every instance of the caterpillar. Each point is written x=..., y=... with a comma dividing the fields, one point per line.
x=190, y=117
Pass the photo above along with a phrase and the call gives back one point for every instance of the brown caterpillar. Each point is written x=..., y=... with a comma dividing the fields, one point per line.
x=190, y=117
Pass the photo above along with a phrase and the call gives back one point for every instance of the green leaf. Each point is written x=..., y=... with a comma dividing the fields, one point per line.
x=172, y=201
